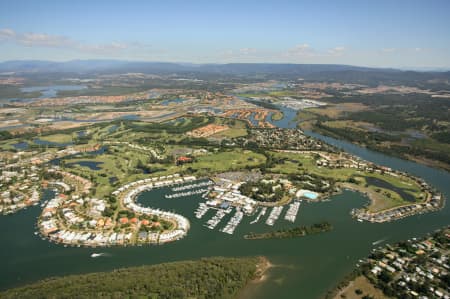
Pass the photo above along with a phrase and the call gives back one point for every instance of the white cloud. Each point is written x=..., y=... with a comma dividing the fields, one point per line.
x=301, y=50
x=305, y=50
x=336, y=51
x=32, y=39
x=247, y=51
x=6, y=33
x=110, y=47
x=44, y=40
x=388, y=50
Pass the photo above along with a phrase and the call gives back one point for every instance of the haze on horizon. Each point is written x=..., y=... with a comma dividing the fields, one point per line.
x=399, y=34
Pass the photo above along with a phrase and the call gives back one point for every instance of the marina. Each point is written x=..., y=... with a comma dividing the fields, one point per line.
x=54, y=259
x=292, y=211
x=192, y=186
x=186, y=194
x=201, y=210
x=274, y=214
x=359, y=236
x=234, y=222
x=212, y=223
x=261, y=213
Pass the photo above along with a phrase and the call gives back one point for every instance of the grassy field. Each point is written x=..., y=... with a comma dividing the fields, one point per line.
x=121, y=163
x=277, y=116
x=58, y=138
x=237, y=128
x=308, y=165
x=381, y=198
x=229, y=160
x=360, y=283
x=305, y=115
x=354, y=125
x=231, y=133
x=433, y=145
x=336, y=110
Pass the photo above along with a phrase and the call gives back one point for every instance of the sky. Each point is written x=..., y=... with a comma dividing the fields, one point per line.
x=378, y=33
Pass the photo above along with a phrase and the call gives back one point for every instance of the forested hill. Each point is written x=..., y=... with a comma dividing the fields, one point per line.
x=205, y=278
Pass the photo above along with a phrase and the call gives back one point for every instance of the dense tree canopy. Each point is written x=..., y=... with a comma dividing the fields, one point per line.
x=205, y=278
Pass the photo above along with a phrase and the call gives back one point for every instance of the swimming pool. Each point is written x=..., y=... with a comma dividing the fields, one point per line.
x=310, y=195
x=307, y=193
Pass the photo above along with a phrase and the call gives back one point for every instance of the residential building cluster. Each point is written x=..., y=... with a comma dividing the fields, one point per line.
x=19, y=187
x=417, y=268
x=283, y=139
x=78, y=220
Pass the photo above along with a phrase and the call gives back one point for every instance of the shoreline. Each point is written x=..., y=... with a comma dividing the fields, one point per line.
x=261, y=270
x=260, y=276
x=407, y=157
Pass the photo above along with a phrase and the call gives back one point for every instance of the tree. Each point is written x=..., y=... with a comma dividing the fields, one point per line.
x=385, y=276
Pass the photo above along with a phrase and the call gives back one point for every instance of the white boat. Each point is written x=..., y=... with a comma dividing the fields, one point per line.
x=94, y=255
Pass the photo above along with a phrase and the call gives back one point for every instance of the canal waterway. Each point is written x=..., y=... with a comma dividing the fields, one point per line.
x=304, y=267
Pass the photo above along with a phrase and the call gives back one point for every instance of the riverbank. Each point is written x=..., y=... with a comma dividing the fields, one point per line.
x=408, y=269
x=261, y=276
x=261, y=269
x=383, y=148
x=33, y=259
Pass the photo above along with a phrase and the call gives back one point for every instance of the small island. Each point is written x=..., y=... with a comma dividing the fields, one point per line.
x=299, y=231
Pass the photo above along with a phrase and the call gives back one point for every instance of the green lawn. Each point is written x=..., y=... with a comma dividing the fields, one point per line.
x=383, y=199
x=229, y=160
x=58, y=138
x=308, y=165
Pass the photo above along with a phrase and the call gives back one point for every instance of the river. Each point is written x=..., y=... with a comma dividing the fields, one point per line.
x=304, y=267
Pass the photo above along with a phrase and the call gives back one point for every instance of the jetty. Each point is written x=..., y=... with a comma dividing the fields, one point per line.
x=234, y=222
x=292, y=211
x=274, y=214
x=201, y=210
x=192, y=186
x=186, y=193
x=212, y=223
x=260, y=214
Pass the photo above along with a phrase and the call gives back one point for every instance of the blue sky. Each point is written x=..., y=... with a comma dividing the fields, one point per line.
x=392, y=33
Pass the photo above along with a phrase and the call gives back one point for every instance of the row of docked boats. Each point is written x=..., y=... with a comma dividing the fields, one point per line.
x=292, y=211
x=230, y=227
x=201, y=210
x=186, y=193
x=260, y=214
x=192, y=186
x=274, y=214
x=234, y=222
x=212, y=223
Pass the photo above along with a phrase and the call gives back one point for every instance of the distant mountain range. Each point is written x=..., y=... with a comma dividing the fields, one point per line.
x=345, y=73
x=112, y=65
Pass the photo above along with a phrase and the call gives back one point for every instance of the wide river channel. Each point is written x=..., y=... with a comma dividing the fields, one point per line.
x=304, y=267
